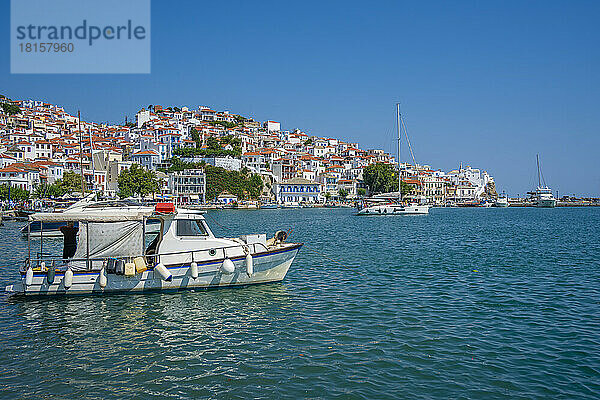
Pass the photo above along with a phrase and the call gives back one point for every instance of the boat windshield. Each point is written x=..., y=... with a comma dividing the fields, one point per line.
x=190, y=227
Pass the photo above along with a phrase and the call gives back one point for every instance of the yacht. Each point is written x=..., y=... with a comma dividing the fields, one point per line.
x=111, y=254
x=544, y=197
x=383, y=206
x=543, y=194
x=501, y=201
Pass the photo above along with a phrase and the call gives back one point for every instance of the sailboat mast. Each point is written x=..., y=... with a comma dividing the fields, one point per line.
x=92, y=160
x=81, y=154
x=399, y=170
x=537, y=157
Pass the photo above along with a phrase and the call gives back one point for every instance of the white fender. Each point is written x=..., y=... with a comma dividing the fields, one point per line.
x=194, y=270
x=164, y=273
x=227, y=267
x=29, y=277
x=249, y=265
x=68, y=278
x=102, y=280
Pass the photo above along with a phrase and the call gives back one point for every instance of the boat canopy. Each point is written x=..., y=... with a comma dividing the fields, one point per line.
x=107, y=214
x=108, y=239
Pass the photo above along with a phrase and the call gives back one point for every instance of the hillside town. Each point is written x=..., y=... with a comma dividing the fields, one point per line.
x=40, y=142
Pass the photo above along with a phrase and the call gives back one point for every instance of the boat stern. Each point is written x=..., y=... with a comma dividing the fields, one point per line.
x=15, y=288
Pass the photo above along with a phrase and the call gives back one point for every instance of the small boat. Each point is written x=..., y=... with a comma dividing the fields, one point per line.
x=111, y=255
x=398, y=208
x=543, y=194
x=291, y=204
x=269, y=206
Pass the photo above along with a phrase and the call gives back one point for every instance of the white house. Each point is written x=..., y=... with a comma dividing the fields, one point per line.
x=297, y=190
x=149, y=159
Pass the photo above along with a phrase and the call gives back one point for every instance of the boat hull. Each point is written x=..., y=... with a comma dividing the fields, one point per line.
x=546, y=203
x=501, y=203
x=269, y=266
x=393, y=209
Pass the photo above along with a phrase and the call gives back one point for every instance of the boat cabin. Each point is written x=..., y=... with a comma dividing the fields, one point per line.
x=122, y=233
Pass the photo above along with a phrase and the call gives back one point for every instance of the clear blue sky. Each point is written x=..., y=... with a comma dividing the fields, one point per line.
x=485, y=83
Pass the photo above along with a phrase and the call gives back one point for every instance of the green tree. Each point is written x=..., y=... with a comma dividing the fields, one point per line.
x=327, y=196
x=214, y=147
x=407, y=189
x=137, y=181
x=10, y=108
x=16, y=193
x=39, y=191
x=361, y=192
x=381, y=178
x=343, y=193
x=225, y=124
x=70, y=182
x=243, y=184
x=196, y=137
x=45, y=191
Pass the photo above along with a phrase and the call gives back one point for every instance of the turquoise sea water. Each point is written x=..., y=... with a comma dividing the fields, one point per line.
x=463, y=303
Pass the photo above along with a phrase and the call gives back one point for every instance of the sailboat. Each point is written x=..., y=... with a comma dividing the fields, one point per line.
x=380, y=205
x=543, y=194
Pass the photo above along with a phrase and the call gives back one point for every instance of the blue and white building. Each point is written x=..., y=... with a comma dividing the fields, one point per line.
x=297, y=190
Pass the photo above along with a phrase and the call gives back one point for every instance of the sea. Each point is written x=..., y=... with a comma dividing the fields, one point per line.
x=479, y=303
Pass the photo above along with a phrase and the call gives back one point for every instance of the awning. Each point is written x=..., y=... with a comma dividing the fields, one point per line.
x=104, y=214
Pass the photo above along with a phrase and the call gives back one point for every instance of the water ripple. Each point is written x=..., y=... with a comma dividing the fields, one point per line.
x=458, y=304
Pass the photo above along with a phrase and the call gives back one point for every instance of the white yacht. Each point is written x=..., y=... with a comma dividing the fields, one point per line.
x=111, y=254
x=544, y=197
x=501, y=201
x=543, y=194
x=385, y=206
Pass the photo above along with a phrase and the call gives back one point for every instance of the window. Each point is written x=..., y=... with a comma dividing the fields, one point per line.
x=190, y=227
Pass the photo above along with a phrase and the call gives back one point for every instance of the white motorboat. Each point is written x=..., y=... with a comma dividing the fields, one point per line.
x=373, y=206
x=394, y=209
x=501, y=201
x=544, y=198
x=543, y=194
x=111, y=254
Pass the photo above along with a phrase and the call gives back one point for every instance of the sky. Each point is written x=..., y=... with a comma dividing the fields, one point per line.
x=489, y=84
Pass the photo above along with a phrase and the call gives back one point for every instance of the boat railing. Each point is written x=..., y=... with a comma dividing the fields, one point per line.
x=151, y=259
